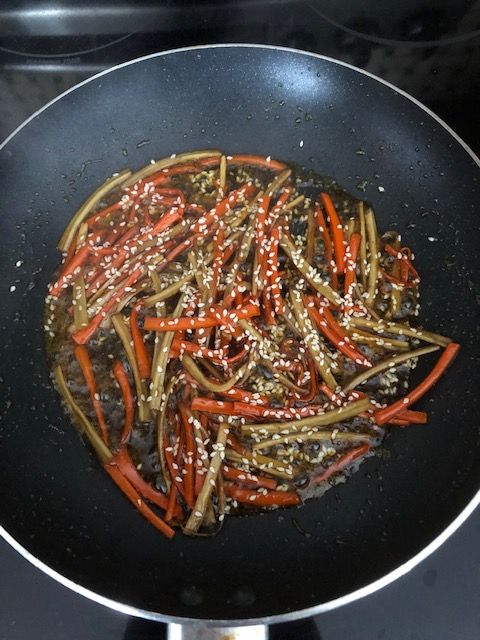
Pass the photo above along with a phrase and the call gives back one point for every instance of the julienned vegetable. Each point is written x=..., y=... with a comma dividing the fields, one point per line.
x=227, y=344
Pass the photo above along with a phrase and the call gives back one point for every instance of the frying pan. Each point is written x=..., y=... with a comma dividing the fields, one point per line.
x=59, y=508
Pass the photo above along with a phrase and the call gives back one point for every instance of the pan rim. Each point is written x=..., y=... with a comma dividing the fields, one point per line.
x=330, y=605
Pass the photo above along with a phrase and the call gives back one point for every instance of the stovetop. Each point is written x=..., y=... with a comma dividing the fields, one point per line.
x=430, y=49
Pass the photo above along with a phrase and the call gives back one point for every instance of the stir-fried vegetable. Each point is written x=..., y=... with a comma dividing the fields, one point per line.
x=227, y=344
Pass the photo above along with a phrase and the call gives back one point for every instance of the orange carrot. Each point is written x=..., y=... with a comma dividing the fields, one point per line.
x=83, y=359
x=336, y=228
x=137, y=501
x=406, y=261
x=409, y=417
x=68, y=270
x=124, y=463
x=275, y=211
x=103, y=213
x=340, y=343
x=254, y=410
x=186, y=323
x=344, y=461
x=385, y=415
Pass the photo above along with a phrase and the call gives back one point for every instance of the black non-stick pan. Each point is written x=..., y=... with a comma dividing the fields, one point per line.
x=60, y=509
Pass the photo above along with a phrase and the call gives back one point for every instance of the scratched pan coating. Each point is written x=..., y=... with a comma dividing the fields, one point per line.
x=59, y=505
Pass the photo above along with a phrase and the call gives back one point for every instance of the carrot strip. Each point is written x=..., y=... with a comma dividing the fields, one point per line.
x=218, y=356
x=221, y=208
x=334, y=325
x=214, y=406
x=179, y=169
x=68, y=270
x=178, y=250
x=235, y=444
x=255, y=498
x=170, y=216
x=209, y=163
x=344, y=461
x=169, y=192
x=254, y=410
x=235, y=294
x=331, y=395
x=247, y=478
x=277, y=208
x=103, y=213
x=415, y=417
x=336, y=228
x=332, y=267
x=137, y=500
x=398, y=422
x=403, y=422
x=128, y=402
x=402, y=282
x=124, y=463
x=141, y=353
x=228, y=252
x=406, y=261
x=341, y=344
x=180, y=346
x=121, y=250
x=95, y=280
x=230, y=360
x=172, y=503
x=385, y=415
x=161, y=177
x=186, y=323
x=83, y=360
x=135, y=207
x=147, y=218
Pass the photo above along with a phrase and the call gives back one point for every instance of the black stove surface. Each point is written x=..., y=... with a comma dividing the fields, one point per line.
x=430, y=49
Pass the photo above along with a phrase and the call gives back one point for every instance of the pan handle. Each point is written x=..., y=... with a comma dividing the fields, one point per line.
x=199, y=631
